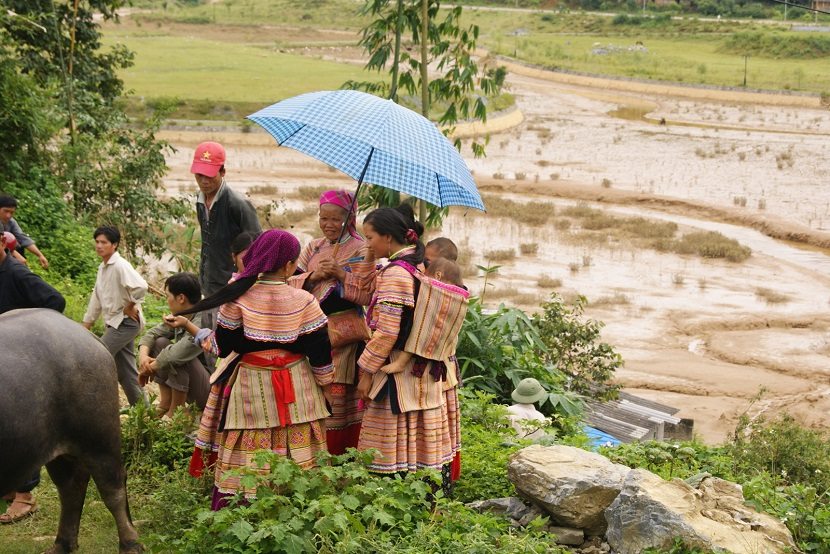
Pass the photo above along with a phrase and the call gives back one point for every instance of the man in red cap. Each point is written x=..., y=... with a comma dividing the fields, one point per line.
x=223, y=214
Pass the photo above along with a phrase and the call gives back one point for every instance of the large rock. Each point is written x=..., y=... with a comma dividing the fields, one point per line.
x=573, y=485
x=650, y=512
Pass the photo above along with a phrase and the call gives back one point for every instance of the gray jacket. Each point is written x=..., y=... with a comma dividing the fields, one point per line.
x=230, y=214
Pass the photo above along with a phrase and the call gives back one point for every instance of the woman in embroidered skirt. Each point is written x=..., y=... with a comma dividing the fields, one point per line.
x=406, y=418
x=333, y=269
x=276, y=384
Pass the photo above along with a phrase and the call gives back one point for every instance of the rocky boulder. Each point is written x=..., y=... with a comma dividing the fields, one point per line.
x=650, y=512
x=574, y=486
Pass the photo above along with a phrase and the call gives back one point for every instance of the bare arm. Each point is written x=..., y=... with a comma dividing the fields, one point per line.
x=44, y=263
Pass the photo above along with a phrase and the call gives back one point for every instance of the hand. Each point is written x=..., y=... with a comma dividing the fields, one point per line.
x=331, y=270
x=328, y=395
x=144, y=378
x=389, y=369
x=144, y=363
x=149, y=367
x=364, y=386
x=316, y=276
x=131, y=311
x=44, y=263
x=175, y=321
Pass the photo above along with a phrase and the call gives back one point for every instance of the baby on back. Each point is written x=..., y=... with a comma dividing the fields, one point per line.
x=440, y=269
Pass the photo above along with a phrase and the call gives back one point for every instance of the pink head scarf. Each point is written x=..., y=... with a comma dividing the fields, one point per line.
x=343, y=199
x=270, y=251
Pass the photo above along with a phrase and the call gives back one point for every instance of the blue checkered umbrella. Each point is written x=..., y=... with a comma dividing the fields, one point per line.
x=374, y=141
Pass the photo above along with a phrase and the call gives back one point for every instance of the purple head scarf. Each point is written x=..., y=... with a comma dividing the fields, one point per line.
x=270, y=251
x=343, y=199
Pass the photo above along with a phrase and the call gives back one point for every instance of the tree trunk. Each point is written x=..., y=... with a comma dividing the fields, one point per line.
x=422, y=211
x=396, y=61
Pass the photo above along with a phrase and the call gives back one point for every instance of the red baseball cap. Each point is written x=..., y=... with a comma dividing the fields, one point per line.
x=208, y=159
x=11, y=240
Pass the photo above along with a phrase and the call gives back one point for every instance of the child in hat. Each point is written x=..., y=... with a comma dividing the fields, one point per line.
x=527, y=393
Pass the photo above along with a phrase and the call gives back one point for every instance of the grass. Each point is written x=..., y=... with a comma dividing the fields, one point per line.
x=198, y=74
x=531, y=213
x=598, y=227
x=311, y=192
x=675, y=52
x=265, y=190
x=286, y=219
x=615, y=299
x=711, y=244
x=502, y=255
x=310, y=14
x=686, y=50
x=770, y=296
x=529, y=248
x=36, y=533
x=546, y=282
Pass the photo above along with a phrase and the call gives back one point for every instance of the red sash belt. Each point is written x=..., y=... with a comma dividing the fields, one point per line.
x=280, y=380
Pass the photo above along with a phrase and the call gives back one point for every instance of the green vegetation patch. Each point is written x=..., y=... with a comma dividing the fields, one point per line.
x=196, y=69
x=778, y=45
x=597, y=227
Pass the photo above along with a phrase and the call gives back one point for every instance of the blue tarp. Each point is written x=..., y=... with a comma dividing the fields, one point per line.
x=599, y=438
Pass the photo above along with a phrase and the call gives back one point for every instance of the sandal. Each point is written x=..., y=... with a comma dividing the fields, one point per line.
x=13, y=515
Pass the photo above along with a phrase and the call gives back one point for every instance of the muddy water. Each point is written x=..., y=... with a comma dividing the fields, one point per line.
x=699, y=334
x=702, y=335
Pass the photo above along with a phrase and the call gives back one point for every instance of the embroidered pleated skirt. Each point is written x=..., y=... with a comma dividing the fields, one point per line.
x=343, y=426
x=408, y=441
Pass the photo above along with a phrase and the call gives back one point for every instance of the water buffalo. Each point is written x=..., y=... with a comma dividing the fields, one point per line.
x=59, y=408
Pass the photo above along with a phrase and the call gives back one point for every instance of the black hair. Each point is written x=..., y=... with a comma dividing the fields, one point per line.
x=110, y=231
x=395, y=222
x=450, y=272
x=243, y=241
x=184, y=283
x=7, y=201
x=226, y=294
x=446, y=248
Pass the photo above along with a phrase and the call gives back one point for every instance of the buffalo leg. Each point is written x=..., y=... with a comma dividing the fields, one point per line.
x=111, y=480
x=71, y=479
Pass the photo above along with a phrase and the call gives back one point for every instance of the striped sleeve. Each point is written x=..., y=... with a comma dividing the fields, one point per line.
x=359, y=284
x=230, y=315
x=395, y=291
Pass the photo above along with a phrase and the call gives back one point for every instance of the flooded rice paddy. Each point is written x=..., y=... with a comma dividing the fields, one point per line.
x=704, y=335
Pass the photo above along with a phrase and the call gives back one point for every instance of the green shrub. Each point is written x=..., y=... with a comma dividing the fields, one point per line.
x=778, y=45
x=171, y=500
x=573, y=347
x=804, y=510
x=679, y=547
x=782, y=447
x=498, y=350
x=487, y=441
x=151, y=445
x=711, y=244
x=669, y=460
x=342, y=507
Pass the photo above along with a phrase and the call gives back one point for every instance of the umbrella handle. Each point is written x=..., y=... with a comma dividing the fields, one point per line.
x=353, y=206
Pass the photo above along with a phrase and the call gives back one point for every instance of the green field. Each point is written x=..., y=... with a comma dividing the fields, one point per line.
x=225, y=59
x=696, y=60
x=220, y=78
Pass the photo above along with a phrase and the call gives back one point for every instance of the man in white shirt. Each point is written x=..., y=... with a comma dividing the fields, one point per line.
x=117, y=296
